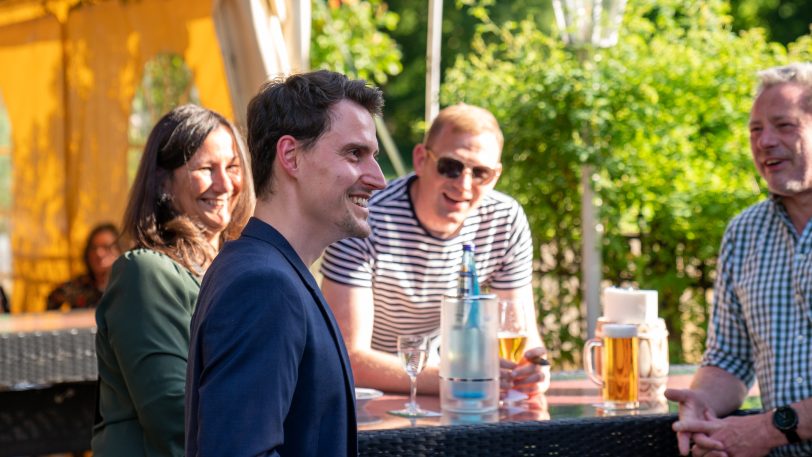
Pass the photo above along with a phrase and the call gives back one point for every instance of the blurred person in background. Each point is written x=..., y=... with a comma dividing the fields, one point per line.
x=191, y=193
x=102, y=248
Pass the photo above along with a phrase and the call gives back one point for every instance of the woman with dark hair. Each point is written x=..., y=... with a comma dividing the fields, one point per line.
x=102, y=248
x=191, y=193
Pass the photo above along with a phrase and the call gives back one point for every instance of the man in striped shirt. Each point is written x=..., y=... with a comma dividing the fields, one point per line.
x=761, y=321
x=392, y=282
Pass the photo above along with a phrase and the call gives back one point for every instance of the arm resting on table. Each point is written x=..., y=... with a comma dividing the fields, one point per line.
x=354, y=310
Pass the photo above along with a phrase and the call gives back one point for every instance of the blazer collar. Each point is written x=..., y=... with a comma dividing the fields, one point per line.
x=257, y=228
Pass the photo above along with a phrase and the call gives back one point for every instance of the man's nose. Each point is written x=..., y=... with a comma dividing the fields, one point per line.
x=466, y=178
x=373, y=175
x=768, y=138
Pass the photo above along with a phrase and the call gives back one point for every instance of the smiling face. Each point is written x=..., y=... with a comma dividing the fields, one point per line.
x=442, y=203
x=206, y=187
x=341, y=171
x=781, y=140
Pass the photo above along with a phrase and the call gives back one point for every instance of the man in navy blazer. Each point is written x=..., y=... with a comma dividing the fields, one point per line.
x=268, y=372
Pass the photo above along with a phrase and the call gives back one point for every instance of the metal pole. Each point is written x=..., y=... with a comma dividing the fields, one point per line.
x=590, y=252
x=433, y=60
x=590, y=225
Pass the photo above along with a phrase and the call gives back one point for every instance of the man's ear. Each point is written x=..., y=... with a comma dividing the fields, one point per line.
x=288, y=154
x=419, y=157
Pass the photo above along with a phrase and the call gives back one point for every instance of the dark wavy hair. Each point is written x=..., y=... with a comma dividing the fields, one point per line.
x=298, y=106
x=150, y=221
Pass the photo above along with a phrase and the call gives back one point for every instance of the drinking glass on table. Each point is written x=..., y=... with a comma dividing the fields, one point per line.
x=413, y=352
x=512, y=335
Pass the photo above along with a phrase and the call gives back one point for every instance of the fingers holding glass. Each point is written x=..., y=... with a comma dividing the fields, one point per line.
x=512, y=336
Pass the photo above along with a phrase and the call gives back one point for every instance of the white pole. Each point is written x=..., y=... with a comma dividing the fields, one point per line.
x=433, y=60
x=590, y=252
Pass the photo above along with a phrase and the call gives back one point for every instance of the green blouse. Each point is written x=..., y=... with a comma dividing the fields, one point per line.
x=142, y=346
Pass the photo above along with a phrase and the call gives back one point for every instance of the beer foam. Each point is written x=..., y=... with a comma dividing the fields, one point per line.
x=629, y=306
x=619, y=330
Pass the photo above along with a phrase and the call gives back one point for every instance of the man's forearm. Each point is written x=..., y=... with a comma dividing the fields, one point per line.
x=383, y=371
x=721, y=391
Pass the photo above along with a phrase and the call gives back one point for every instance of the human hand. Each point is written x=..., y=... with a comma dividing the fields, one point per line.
x=530, y=376
x=739, y=436
x=694, y=418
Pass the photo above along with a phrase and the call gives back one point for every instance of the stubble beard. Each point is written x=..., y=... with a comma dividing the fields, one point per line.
x=352, y=227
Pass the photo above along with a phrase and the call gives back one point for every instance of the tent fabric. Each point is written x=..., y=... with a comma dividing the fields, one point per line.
x=74, y=69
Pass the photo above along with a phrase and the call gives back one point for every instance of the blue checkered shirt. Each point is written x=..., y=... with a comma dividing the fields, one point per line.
x=761, y=321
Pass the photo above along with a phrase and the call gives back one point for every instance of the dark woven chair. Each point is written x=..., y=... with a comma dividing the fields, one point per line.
x=627, y=436
x=47, y=420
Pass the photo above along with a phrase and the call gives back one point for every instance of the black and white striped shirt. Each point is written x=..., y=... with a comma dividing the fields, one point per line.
x=410, y=270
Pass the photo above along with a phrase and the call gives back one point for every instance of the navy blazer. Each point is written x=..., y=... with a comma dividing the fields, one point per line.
x=268, y=371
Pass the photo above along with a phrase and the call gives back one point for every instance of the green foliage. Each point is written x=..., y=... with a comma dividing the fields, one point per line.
x=784, y=20
x=347, y=39
x=405, y=94
x=662, y=117
x=167, y=82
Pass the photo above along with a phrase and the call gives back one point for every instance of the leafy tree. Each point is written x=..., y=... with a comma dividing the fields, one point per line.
x=784, y=20
x=405, y=93
x=661, y=116
x=347, y=39
x=167, y=83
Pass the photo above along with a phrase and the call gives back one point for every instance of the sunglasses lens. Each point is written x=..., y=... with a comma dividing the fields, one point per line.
x=482, y=173
x=450, y=167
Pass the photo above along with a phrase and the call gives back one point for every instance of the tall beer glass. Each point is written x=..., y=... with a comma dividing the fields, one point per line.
x=619, y=371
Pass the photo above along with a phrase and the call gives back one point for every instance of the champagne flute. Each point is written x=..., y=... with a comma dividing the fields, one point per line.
x=512, y=336
x=413, y=352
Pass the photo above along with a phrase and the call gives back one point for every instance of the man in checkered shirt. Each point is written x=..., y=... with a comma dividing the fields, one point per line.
x=761, y=321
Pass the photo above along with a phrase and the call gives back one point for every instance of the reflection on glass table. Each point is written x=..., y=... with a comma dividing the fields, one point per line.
x=571, y=395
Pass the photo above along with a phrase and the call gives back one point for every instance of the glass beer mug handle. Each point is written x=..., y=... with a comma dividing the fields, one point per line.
x=589, y=366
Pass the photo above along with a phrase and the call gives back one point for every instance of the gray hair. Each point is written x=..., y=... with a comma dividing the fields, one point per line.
x=799, y=73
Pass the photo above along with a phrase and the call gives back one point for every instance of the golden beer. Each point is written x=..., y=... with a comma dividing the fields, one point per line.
x=619, y=370
x=511, y=346
x=619, y=365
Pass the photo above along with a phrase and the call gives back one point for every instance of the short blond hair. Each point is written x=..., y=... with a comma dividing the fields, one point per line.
x=799, y=73
x=464, y=118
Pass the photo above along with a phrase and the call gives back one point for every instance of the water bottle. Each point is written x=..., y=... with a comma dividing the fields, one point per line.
x=469, y=367
x=468, y=282
x=468, y=286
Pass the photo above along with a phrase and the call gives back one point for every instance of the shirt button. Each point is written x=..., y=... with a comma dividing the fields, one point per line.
x=799, y=297
x=800, y=337
x=799, y=380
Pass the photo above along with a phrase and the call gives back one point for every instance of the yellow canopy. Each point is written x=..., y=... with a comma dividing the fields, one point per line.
x=71, y=69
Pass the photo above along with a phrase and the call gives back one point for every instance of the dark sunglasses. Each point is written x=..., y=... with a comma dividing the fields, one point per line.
x=453, y=169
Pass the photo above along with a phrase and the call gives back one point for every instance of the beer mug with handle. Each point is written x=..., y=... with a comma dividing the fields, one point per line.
x=619, y=372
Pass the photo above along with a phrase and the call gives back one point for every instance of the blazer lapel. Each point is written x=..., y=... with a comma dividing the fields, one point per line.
x=259, y=229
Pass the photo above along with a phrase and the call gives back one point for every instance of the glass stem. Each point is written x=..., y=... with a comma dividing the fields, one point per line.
x=413, y=394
